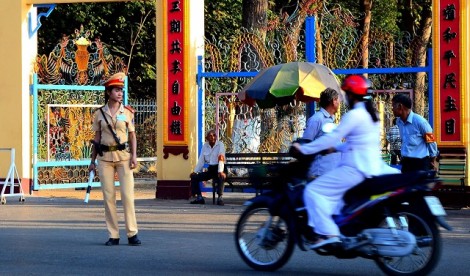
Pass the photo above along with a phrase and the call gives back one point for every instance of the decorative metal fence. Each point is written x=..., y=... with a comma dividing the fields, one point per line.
x=62, y=118
x=229, y=64
x=227, y=67
x=67, y=88
x=250, y=129
x=61, y=134
x=145, y=126
x=242, y=128
x=145, y=120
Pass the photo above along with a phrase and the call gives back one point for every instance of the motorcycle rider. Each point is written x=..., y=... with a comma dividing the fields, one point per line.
x=361, y=158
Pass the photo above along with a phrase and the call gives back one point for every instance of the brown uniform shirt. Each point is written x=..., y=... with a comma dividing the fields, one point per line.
x=121, y=123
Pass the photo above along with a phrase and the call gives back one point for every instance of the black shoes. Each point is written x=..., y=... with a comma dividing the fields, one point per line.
x=199, y=200
x=111, y=242
x=134, y=240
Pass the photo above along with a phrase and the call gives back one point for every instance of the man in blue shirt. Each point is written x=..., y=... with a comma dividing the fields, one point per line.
x=418, y=146
x=329, y=105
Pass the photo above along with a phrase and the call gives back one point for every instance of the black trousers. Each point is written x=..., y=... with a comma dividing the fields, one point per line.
x=395, y=155
x=409, y=164
x=211, y=173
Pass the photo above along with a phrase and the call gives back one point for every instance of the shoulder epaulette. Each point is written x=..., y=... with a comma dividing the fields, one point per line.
x=98, y=108
x=128, y=107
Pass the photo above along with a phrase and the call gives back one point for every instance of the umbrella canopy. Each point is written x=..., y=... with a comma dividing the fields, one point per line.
x=282, y=83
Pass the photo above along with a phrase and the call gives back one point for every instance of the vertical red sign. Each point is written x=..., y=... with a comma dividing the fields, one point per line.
x=450, y=100
x=175, y=112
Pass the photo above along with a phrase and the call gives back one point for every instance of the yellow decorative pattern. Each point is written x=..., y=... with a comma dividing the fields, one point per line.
x=258, y=45
x=78, y=61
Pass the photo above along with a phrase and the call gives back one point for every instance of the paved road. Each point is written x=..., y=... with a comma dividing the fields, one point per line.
x=54, y=235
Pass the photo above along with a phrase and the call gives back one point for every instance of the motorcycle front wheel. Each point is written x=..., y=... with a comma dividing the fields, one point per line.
x=428, y=248
x=264, y=242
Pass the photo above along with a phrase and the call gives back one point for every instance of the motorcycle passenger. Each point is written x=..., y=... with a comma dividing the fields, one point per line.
x=329, y=105
x=361, y=158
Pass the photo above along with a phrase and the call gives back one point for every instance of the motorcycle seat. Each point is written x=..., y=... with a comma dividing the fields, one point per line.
x=385, y=183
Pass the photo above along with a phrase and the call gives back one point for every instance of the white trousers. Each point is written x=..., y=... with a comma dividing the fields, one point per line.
x=323, y=197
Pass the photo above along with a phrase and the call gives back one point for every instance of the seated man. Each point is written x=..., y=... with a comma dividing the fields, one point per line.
x=212, y=153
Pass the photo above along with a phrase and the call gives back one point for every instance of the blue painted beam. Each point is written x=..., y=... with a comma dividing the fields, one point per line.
x=310, y=32
x=84, y=162
x=226, y=74
x=32, y=31
x=396, y=70
x=69, y=87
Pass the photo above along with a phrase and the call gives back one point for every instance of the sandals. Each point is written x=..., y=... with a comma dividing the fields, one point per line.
x=323, y=241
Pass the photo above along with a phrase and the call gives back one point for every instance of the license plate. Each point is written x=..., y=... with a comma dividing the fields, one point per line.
x=435, y=206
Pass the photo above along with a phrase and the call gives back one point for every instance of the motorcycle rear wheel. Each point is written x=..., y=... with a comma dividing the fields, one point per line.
x=426, y=253
x=264, y=242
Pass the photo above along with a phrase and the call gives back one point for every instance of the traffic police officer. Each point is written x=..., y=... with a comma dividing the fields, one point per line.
x=115, y=148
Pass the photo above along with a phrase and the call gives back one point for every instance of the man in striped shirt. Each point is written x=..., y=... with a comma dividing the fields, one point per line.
x=394, y=140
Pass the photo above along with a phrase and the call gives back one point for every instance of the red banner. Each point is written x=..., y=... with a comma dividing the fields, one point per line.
x=449, y=110
x=175, y=71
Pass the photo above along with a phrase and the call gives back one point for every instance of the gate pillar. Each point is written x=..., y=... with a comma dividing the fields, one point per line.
x=180, y=39
x=17, y=51
x=452, y=98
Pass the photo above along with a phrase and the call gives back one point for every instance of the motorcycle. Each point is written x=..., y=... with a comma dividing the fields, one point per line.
x=391, y=219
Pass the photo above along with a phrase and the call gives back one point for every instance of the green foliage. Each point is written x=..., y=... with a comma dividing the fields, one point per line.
x=117, y=24
x=222, y=19
x=385, y=16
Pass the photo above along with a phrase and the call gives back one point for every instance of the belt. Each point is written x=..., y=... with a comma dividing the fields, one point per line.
x=114, y=148
x=414, y=158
